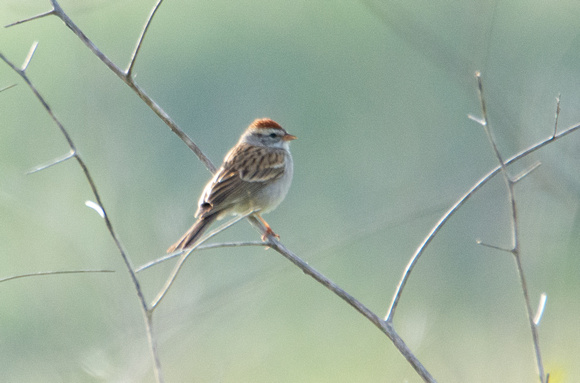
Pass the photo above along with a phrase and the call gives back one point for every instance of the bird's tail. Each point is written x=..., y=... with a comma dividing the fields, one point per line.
x=192, y=235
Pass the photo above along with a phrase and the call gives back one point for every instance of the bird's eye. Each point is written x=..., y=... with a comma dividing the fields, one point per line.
x=273, y=135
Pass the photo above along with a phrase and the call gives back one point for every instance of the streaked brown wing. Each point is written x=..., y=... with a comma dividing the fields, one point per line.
x=245, y=170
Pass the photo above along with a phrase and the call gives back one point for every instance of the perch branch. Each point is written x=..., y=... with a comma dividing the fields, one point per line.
x=382, y=325
x=204, y=247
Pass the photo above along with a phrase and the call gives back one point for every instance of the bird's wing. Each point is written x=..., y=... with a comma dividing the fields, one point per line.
x=246, y=169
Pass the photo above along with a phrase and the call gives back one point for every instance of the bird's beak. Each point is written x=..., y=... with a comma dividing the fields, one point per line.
x=288, y=137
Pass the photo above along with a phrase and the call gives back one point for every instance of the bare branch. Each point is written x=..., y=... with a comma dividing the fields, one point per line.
x=185, y=254
x=443, y=220
x=510, y=183
x=126, y=76
x=42, y=273
x=526, y=172
x=479, y=242
x=129, y=70
x=99, y=202
x=382, y=325
x=7, y=87
x=485, y=124
x=534, y=328
x=51, y=12
x=204, y=247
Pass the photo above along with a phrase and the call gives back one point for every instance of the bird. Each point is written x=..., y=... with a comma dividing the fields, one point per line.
x=255, y=176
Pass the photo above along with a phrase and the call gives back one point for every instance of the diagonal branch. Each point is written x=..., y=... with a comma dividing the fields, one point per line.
x=40, y=16
x=129, y=69
x=385, y=327
x=125, y=76
x=7, y=87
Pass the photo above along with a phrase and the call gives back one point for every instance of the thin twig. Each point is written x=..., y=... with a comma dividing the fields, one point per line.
x=29, y=56
x=129, y=70
x=557, y=116
x=541, y=308
x=71, y=154
x=199, y=248
x=516, y=251
x=51, y=12
x=485, y=124
x=7, y=87
x=526, y=172
x=495, y=247
x=42, y=273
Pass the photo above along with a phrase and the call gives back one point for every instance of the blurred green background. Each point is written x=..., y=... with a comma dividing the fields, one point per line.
x=378, y=93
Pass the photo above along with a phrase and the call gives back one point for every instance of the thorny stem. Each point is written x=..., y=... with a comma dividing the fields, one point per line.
x=126, y=76
x=445, y=218
x=515, y=250
x=108, y=223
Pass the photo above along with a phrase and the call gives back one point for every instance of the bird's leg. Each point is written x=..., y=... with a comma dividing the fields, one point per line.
x=269, y=230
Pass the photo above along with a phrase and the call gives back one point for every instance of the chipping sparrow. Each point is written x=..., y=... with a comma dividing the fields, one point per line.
x=255, y=176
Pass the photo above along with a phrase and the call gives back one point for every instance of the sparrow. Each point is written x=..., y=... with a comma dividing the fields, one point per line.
x=255, y=176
